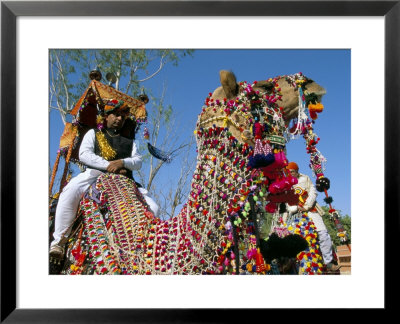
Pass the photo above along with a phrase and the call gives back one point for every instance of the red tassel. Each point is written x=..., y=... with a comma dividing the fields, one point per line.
x=260, y=263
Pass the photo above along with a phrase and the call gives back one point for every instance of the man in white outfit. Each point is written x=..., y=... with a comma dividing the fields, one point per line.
x=305, y=188
x=101, y=151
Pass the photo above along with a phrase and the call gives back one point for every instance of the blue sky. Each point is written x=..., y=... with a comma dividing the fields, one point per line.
x=189, y=83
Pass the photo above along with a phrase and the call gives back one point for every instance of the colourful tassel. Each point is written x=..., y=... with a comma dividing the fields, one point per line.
x=146, y=133
x=158, y=154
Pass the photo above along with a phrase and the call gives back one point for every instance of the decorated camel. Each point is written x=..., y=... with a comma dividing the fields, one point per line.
x=240, y=181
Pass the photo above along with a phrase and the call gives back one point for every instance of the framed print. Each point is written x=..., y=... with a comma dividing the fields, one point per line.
x=369, y=30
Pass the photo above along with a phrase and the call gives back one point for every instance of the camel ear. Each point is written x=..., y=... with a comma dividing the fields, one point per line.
x=228, y=82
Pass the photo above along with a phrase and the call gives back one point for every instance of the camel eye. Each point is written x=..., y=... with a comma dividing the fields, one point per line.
x=308, y=81
x=268, y=86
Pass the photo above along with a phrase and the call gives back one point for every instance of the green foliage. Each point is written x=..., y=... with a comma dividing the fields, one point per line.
x=331, y=227
x=168, y=113
x=131, y=68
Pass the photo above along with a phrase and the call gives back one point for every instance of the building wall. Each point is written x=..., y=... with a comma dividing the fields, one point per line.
x=344, y=258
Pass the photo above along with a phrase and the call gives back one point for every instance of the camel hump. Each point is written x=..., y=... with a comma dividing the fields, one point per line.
x=228, y=82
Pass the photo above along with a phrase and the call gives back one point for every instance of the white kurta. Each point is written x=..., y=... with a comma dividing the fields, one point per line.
x=305, y=184
x=72, y=193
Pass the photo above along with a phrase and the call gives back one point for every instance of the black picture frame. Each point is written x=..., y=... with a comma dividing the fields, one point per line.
x=10, y=10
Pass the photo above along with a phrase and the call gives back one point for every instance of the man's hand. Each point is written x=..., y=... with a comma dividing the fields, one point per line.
x=115, y=166
x=123, y=171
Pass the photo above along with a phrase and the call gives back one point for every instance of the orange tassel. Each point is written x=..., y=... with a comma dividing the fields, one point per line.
x=68, y=157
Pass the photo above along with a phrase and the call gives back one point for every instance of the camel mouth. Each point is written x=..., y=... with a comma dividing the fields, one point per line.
x=320, y=94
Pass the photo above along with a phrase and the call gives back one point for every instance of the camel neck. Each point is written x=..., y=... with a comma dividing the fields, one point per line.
x=220, y=177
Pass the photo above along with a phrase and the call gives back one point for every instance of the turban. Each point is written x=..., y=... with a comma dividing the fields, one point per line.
x=292, y=166
x=113, y=105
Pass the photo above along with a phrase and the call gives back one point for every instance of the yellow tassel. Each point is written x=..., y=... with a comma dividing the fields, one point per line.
x=99, y=119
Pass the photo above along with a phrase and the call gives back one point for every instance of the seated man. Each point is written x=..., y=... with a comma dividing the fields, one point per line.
x=303, y=186
x=101, y=151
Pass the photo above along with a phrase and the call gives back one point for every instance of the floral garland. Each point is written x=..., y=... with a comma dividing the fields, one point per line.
x=317, y=160
x=90, y=253
x=120, y=227
x=310, y=260
x=106, y=151
x=252, y=106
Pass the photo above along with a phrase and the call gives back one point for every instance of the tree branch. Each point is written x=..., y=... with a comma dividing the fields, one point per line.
x=162, y=63
x=63, y=82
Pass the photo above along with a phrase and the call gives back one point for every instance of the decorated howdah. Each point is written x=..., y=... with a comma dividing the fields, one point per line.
x=235, y=220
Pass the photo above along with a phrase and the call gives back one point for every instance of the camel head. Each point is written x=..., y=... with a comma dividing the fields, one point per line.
x=272, y=103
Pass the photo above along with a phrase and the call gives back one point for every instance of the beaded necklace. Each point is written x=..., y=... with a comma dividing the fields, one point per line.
x=115, y=135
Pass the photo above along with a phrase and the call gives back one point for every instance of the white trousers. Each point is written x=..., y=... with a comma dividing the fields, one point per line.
x=72, y=193
x=325, y=241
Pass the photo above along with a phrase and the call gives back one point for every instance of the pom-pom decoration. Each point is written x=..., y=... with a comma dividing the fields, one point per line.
x=314, y=109
x=258, y=130
x=260, y=160
x=322, y=184
x=262, y=157
x=279, y=163
x=271, y=207
x=282, y=185
x=288, y=197
x=328, y=200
